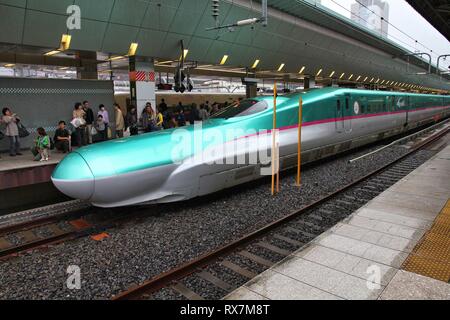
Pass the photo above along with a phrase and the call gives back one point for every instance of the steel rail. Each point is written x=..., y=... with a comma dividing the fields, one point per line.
x=65, y=235
x=165, y=279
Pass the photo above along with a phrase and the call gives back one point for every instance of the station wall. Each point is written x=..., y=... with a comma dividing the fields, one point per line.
x=44, y=102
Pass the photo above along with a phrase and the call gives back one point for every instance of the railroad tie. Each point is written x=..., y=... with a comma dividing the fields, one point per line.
x=237, y=269
x=216, y=281
x=273, y=248
x=257, y=259
x=288, y=240
x=186, y=292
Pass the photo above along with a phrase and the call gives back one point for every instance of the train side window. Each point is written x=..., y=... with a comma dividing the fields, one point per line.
x=347, y=104
x=338, y=105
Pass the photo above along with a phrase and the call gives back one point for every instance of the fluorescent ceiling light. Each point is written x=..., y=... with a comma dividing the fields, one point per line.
x=224, y=60
x=281, y=67
x=302, y=69
x=133, y=49
x=319, y=72
x=52, y=53
x=255, y=64
x=65, y=42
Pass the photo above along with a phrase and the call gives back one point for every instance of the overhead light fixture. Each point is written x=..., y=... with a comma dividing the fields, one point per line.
x=351, y=77
x=319, y=72
x=371, y=80
x=116, y=58
x=255, y=64
x=281, y=67
x=9, y=65
x=64, y=68
x=357, y=79
x=332, y=74
x=52, y=53
x=302, y=69
x=224, y=60
x=342, y=75
x=383, y=81
x=65, y=42
x=133, y=49
x=365, y=79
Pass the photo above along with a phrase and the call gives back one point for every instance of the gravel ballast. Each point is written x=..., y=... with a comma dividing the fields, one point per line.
x=174, y=234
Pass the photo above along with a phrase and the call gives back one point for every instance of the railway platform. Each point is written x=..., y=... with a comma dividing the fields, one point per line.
x=394, y=248
x=25, y=183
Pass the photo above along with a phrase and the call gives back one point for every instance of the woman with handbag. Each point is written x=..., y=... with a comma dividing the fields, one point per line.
x=12, y=131
x=80, y=124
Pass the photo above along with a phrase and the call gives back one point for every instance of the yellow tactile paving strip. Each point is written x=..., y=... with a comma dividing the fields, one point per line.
x=431, y=257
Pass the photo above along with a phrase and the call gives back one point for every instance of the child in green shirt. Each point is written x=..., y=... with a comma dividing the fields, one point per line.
x=42, y=146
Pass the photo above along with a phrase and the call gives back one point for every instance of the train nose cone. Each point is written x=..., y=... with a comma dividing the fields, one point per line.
x=74, y=178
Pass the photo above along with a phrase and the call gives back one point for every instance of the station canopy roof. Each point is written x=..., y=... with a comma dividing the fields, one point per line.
x=299, y=34
x=437, y=12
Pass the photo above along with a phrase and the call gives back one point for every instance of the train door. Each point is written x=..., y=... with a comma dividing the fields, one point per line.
x=340, y=114
x=348, y=113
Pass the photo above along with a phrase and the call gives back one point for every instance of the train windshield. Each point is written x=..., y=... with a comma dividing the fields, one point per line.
x=241, y=109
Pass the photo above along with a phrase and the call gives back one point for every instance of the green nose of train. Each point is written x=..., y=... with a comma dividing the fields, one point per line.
x=77, y=174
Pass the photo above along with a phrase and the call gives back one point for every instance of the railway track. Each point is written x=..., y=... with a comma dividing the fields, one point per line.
x=213, y=274
x=68, y=222
x=51, y=225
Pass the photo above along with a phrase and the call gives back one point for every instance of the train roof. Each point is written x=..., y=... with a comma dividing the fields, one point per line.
x=319, y=92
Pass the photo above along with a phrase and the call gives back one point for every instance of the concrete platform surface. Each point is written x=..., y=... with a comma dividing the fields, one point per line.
x=25, y=161
x=361, y=258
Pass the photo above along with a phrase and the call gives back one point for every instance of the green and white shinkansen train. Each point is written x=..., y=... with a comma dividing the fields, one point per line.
x=180, y=164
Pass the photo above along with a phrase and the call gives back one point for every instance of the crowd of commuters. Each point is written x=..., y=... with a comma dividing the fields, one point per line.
x=86, y=128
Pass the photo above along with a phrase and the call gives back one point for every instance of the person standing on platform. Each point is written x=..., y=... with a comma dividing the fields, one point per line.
x=120, y=121
x=101, y=128
x=12, y=131
x=193, y=114
x=89, y=121
x=62, y=138
x=148, y=118
x=131, y=121
x=159, y=121
x=181, y=118
x=79, y=123
x=163, y=106
x=104, y=113
x=204, y=115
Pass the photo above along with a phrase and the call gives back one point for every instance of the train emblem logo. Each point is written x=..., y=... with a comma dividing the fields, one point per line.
x=356, y=107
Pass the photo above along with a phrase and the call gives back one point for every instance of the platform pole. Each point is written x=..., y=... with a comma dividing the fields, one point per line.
x=274, y=137
x=300, y=123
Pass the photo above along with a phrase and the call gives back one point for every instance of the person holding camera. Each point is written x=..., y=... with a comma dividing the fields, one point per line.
x=12, y=131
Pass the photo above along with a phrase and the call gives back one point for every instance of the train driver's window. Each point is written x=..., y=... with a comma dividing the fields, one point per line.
x=242, y=109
